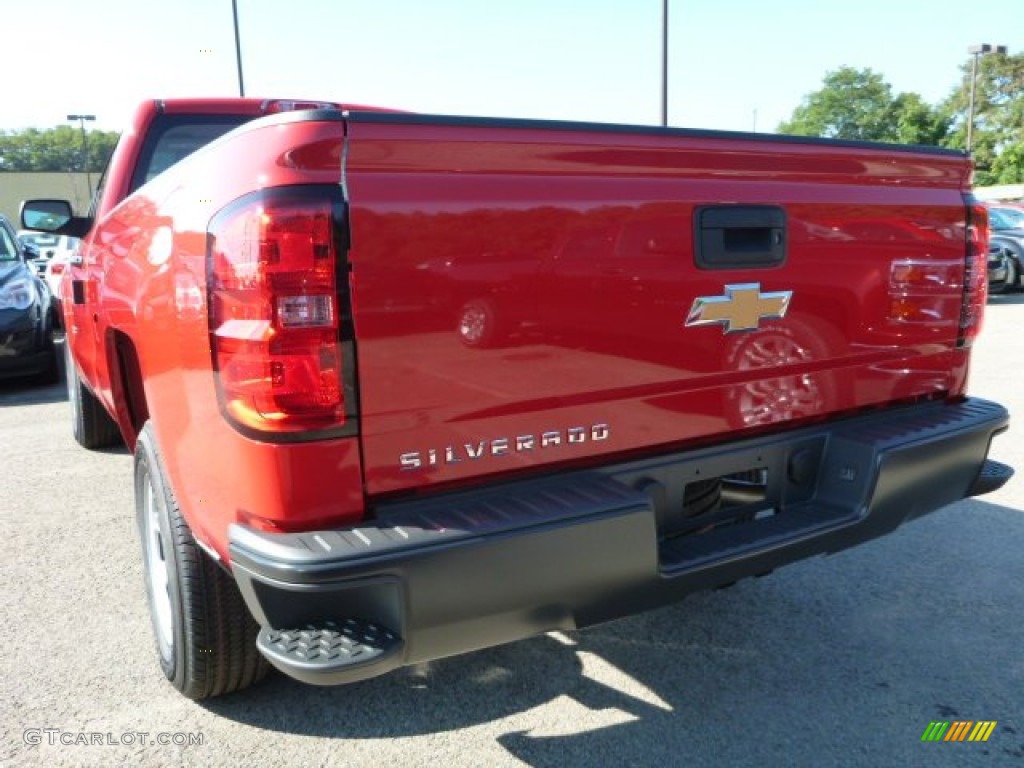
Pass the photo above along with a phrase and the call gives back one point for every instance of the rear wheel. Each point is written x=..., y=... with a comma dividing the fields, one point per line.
x=205, y=636
x=90, y=423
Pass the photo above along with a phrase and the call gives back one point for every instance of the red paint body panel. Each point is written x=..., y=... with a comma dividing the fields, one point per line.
x=580, y=246
x=231, y=476
x=574, y=249
x=146, y=258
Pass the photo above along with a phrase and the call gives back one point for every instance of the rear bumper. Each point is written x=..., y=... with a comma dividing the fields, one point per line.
x=470, y=570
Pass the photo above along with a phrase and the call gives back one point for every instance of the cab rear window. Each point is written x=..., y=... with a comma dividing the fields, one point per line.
x=175, y=137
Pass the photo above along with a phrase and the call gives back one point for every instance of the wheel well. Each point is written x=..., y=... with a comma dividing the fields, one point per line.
x=1010, y=248
x=126, y=386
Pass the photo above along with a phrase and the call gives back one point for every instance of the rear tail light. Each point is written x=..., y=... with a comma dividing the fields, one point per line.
x=275, y=312
x=926, y=291
x=975, y=292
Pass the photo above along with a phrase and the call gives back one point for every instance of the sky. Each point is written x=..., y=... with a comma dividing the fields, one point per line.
x=733, y=64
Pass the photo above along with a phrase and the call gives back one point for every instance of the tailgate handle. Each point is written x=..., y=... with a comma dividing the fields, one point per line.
x=730, y=236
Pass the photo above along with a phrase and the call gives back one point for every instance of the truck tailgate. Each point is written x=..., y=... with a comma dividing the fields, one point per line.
x=528, y=294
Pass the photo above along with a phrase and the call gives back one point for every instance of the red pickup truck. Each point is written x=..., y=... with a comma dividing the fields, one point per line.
x=403, y=386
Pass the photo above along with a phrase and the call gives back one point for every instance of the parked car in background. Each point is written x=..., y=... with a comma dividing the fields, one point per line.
x=49, y=255
x=43, y=248
x=1007, y=235
x=998, y=270
x=40, y=244
x=35, y=245
x=55, y=269
x=26, y=313
x=1009, y=214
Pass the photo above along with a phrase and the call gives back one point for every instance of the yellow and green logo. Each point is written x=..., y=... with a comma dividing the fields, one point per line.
x=959, y=730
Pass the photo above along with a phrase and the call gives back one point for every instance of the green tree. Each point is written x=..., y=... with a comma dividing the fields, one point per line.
x=859, y=104
x=54, y=149
x=998, y=140
x=1008, y=167
x=917, y=122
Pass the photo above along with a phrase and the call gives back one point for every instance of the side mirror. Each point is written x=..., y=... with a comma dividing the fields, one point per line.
x=53, y=216
x=31, y=252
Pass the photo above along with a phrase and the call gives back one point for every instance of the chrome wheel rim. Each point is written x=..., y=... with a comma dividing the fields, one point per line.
x=157, y=572
x=71, y=378
x=473, y=324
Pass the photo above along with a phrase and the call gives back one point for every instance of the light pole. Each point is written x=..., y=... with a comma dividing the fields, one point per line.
x=977, y=51
x=664, y=62
x=238, y=48
x=85, y=147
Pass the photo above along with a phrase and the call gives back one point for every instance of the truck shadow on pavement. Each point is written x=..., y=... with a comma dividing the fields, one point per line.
x=905, y=630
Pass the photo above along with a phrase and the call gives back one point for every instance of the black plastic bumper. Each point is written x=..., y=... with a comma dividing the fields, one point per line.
x=464, y=571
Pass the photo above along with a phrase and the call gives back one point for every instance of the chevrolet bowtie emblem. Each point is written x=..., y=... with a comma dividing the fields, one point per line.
x=740, y=309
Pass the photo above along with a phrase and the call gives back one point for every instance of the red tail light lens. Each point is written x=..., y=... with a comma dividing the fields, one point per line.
x=976, y=277
x=274, y=313
x=925, y=291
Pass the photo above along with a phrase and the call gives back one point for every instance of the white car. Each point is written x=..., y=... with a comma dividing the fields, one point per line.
x=57, y=266
x=43, y=243
x=54, y=255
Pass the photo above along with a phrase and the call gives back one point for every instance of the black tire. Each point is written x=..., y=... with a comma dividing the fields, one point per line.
x=57, y=321
x=90, y=423
x=205, y=635
x=50, y=374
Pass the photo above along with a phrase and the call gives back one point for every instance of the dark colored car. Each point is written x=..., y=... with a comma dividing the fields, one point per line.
x=1007, y=236
x=998, y=269
x=26, y=313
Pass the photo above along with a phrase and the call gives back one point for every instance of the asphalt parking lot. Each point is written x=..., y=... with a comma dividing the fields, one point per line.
x=836, y=661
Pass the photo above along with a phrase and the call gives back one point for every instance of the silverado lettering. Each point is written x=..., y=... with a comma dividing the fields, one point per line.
x=503, y=446
x=276, y=302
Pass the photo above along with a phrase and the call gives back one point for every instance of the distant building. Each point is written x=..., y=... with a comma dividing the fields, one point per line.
x=1001, y=192
x=16, y=186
